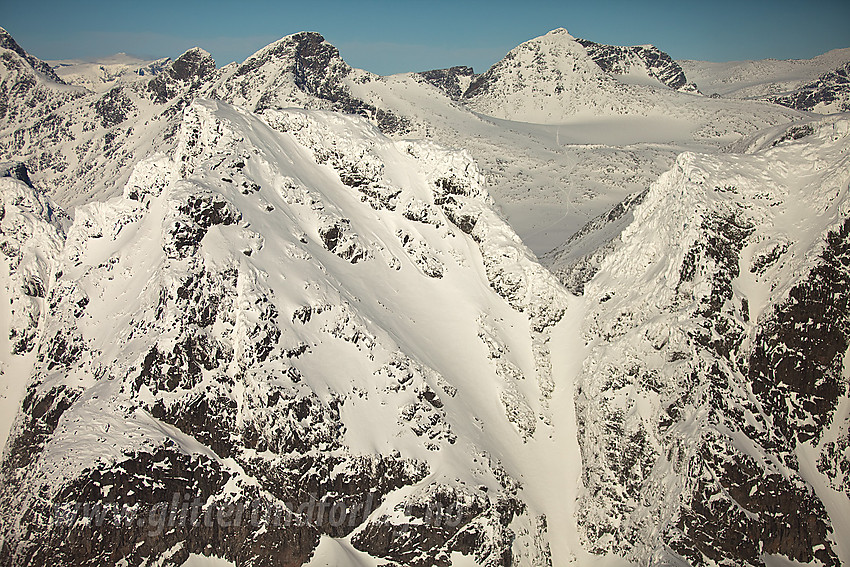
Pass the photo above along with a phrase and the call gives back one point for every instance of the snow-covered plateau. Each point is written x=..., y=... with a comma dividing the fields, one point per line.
x=568, y=311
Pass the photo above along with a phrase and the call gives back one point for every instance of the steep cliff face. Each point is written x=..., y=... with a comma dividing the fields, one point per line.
x=218, y=335
x=639, y=62
x=712, y=403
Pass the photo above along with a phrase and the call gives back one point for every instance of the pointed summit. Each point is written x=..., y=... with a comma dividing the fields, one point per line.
x=192, y=68
x=314, y=63
x=539, y=80
x=195, y=62
x=288, y=72
x=559, y=32
x=302, y=70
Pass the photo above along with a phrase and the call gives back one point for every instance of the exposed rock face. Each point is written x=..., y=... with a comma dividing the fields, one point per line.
x=16, y=170
x=453, y=81
x=618, y=60
x=827, y=94
x=475, y=527
x=708, y=407
x=187, y=73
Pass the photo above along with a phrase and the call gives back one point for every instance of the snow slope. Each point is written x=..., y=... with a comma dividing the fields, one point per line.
x=754, y=79
x=305, y=258
x=102, y=74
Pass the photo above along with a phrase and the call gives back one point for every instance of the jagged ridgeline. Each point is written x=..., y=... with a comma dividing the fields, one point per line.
x=260, y=313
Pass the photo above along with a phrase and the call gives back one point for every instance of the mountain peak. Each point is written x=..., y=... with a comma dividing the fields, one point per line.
x=195, y=62
x=192, y=67
x=559, y=32
x=303, y=42
x=8, y=42
x=555, y=62
x=305, y=54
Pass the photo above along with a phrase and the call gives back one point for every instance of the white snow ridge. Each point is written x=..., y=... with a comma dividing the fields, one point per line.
x=283, y=313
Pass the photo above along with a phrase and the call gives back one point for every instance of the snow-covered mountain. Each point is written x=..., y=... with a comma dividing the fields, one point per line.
x=712, y=403
x=105, y=73
x=264, y=313
x=79, y=144
x=8, y=43
x=239, y=312
x=556, y=77
x=641, y=64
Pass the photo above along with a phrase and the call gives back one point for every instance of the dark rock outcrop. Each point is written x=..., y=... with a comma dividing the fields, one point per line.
x=189, y=70
x=16, y=170
x=830, y=89
x=617, y=60
x=452, y=81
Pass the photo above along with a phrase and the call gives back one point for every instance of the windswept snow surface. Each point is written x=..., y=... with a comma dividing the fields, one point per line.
x=100, y=75
x=303, y=255
x=753, y=79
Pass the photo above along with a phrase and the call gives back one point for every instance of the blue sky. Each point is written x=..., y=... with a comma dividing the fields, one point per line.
x=388, y=37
